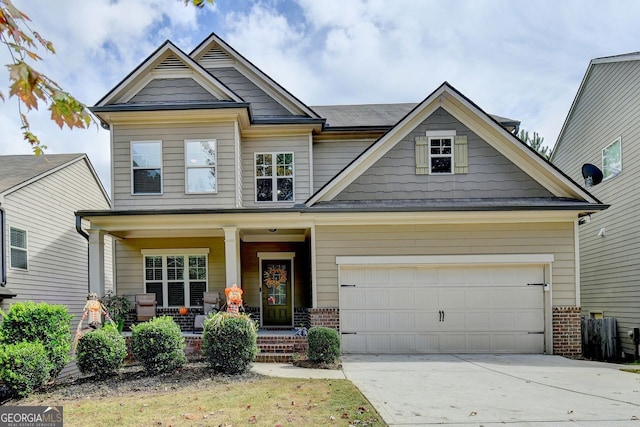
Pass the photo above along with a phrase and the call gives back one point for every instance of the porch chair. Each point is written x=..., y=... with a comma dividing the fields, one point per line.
x=210, y=303
x=145, y=306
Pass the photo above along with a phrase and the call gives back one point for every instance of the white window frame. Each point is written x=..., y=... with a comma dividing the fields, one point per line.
x=452, y=138
x=618, y=140
x=18, y=248
x=187, y=166
x=274, y=176
x=185, y=253
x=146, y=167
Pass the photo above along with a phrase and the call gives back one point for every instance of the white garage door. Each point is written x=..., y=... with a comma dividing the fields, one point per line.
x=461, y=309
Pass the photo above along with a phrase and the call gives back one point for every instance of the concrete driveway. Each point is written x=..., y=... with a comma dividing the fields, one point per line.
x=474, y=390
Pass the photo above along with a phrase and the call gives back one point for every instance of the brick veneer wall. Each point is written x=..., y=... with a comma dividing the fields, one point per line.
x=327, y=317
x=567, y=336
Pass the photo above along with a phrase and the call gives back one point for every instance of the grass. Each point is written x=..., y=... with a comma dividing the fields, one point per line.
x=262, y=401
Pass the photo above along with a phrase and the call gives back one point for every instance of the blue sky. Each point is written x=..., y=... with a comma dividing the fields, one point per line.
x=520, y=59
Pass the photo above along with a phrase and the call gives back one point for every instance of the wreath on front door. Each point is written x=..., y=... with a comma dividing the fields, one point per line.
x=275, y=276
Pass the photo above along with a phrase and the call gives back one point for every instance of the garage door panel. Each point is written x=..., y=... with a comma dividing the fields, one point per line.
x=485, y=308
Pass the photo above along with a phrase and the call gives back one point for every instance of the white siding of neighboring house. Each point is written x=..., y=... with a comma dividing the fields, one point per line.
x=455, y=239
x=173, y=166
x=608, y=108
x=57, y=254
x=299, y=145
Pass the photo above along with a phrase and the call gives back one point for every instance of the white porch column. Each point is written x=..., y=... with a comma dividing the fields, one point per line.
x=96, y=261
x=232, y=255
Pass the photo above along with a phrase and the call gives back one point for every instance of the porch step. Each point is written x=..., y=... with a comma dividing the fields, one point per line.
x=274, y=357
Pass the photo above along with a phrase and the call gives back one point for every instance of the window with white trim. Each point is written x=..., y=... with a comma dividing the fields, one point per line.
x=200, y=166
x=146, y=167
x=612, y=159
x=177, y=280
x=274, y=177
x=441, y=155
x=18, y=249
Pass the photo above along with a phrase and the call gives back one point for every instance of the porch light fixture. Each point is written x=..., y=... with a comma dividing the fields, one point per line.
x=272, y=230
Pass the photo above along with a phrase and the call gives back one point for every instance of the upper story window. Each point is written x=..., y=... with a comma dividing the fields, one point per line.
x=176, y=280
x=274, y=177
x=200, y=166
x=441, y=155
x=441, y=152
x=18, y=249
x=146, y=167
x=612, y=159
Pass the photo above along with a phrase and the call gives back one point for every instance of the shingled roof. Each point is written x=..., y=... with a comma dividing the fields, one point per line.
x=14, y=170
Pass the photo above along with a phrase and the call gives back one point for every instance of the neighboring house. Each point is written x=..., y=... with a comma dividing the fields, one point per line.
x=45, y=259
x=413, y=228
x=602, y=128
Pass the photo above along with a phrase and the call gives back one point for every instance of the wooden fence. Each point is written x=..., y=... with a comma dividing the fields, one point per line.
x=600, y=338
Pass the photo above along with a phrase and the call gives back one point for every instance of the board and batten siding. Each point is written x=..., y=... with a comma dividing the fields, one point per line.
x=129, y=259
x=331, y=156
x=490, y=173
x=298, y=145
x=454, y=239
x=57, y=254
x=606, y=109
x=173, y=166
x=159, y=91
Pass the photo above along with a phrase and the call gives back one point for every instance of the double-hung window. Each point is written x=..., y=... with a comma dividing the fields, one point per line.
x=177, y=280
x=441, y=155
x=200, y=166
x=612, y=159
x=274, y=177
x=18, y=249
x=146, y=167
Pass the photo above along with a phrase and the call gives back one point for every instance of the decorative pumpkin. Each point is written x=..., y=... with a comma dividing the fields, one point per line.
x=183, y=311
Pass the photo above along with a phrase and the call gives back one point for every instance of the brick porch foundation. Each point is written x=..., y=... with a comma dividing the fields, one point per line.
x=567, y=334
x=327, y=317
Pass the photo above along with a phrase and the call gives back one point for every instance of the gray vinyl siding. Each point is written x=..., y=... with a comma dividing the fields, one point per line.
x=608, y=108
x=261, y=103
x=173, y=166
x=172, y=90
x=129, y=259
x=455, y=239
x=331, y=156
x=57, y=254
x=490, y=173
x=298, y=145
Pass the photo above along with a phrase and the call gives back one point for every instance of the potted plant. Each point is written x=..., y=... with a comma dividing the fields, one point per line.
x=117, y=306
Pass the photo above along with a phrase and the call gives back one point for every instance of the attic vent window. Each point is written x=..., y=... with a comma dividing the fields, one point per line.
x=612, y=159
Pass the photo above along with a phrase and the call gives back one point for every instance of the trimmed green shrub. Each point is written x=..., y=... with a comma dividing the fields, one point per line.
x=101, y=352
x=158, y=345
x=48, y=323
x=24, y=367
x=230, y=342
x=324, y=345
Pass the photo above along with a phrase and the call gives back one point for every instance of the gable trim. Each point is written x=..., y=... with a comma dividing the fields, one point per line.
x=256, y=76
x=146, y=70
x=479, y=122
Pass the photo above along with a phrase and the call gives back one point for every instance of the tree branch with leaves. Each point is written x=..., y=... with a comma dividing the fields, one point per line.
x=32, y=87
x=535, y=142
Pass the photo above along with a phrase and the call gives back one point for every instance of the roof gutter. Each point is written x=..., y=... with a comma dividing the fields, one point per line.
x=79, y=228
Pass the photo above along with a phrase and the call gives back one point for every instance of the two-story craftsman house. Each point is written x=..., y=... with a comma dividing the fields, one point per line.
x=413, y=228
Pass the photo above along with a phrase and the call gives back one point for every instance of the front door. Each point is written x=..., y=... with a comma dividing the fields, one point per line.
x=277, y=294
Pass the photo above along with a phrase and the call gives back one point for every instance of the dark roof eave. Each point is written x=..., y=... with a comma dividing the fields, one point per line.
x=163, y=107
x=586, y=208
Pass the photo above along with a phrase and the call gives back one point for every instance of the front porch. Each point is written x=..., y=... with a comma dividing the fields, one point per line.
x=279, y=346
